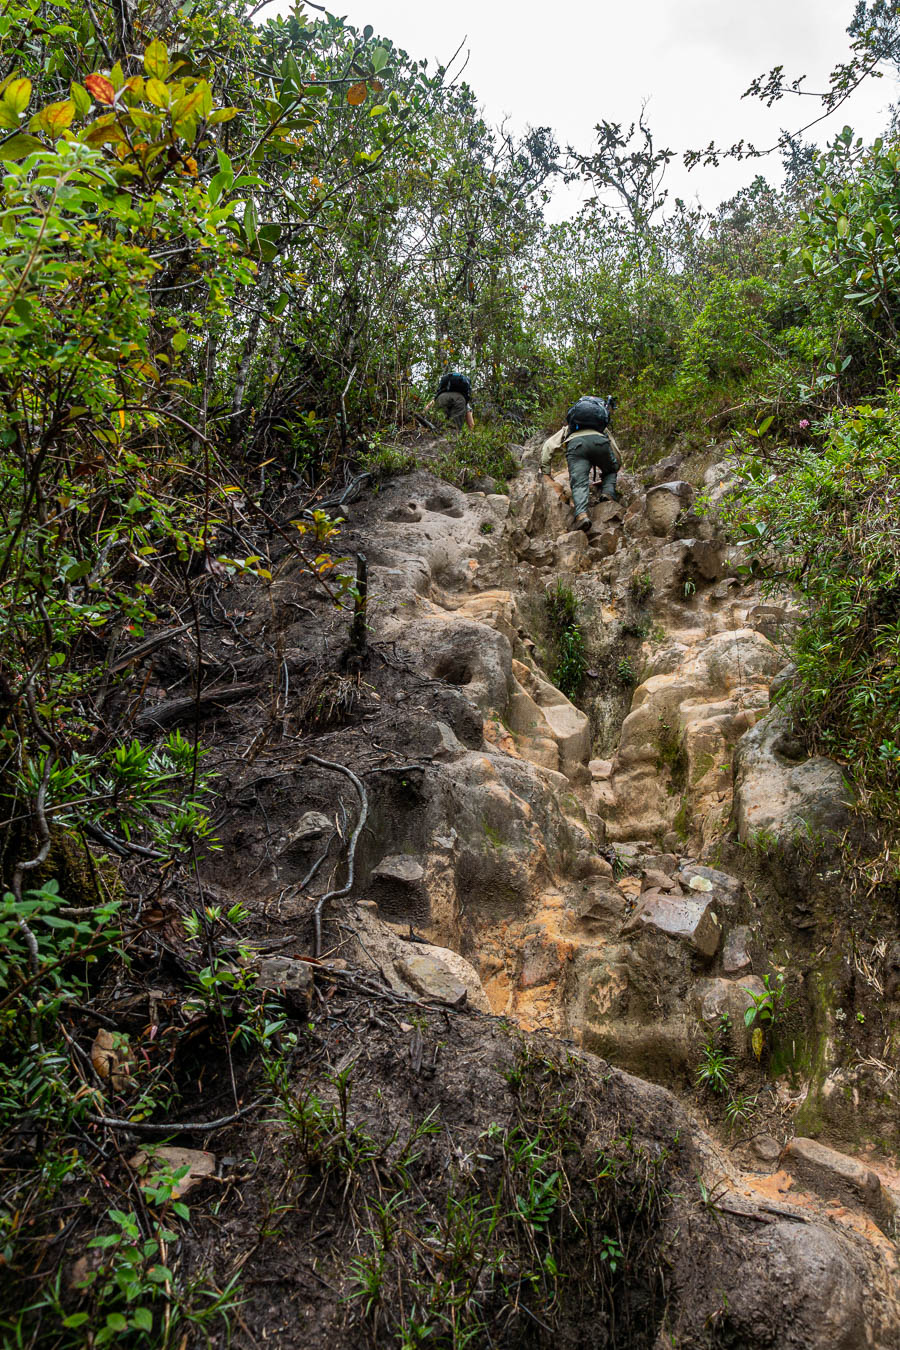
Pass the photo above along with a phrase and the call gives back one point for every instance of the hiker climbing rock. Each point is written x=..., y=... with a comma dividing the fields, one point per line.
x=588, y=444
x=454, y=399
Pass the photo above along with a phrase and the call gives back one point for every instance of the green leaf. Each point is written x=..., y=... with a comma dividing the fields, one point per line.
x=142, y=1318
x=19, y=147
x=251, y=222
x=75, y=1320
x=221, y=115
x=380, y=58
x=81, y=98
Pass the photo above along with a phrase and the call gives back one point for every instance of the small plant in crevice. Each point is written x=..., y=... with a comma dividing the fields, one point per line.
x=740, y=1108
x=766, y=1009
x=715, y=1068
x=640, y=587
x=567, y=633
x=626, y=672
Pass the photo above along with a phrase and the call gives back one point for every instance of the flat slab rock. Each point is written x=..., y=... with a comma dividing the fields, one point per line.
x=837, y=1176
x=399, y=867
x=691, y=921
x=431, y=978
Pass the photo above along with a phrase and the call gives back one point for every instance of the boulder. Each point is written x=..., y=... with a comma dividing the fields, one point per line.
x=400, y=868
x=310, y=828
x=691, y=921
x=777, y=796
x=432, y=978
x=724, y=889
x=286, y=976
x=663, y=503
x=653, y=880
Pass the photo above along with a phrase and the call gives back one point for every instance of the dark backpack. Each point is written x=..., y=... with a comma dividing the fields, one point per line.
x=454, y=383
x=588, y=414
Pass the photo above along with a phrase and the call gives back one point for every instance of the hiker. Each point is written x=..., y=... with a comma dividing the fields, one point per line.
x=454, y=399
x=588, y=444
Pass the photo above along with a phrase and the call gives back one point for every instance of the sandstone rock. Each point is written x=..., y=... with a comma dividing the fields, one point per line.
x=287, y=976
x=835, y=1176
x=707, y=557
x=431, y=978
x=691, y=921
x=606, y=512
x=675, y=744
x=657, y=881
x=499, y=504
x=600, y=902
x=471, y=655
x=168, y=1159
x=715, y=998
x=571, y=549
x=311, y=826
x=818, y=1272
x=664, y=501
x=600, y=768
x=723, y=888
x=764, y=1147
x=735, y=954
x=781, y=797
x=605, y=542
x=589, y=864
x=665, y=471
x=400, y=868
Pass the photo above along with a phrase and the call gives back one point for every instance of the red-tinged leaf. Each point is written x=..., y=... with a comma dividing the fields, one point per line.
x=56, y=117
x=376, y=86
x=102, y=132
x=356, y=94
x=100, y=88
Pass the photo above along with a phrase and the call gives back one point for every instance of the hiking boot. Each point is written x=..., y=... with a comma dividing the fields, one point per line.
x=582, y=521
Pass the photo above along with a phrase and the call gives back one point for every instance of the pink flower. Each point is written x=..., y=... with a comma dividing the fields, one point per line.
x=804, y=424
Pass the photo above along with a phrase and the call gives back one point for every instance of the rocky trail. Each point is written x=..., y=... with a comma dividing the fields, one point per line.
x=625, y=877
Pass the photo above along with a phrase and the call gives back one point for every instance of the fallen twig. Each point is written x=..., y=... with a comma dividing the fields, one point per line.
x=173, y=1127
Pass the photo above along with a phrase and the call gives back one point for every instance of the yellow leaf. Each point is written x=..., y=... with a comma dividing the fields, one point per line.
x=157, y=92
x=356, y=94
x=17, y=95
x=156, y=61
x=757, y=1041
x=122, y=418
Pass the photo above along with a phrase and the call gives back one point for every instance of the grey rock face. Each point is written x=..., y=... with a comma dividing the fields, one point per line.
x=780, y=796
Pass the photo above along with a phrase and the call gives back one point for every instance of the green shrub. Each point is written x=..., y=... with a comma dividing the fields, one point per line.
x=822, y=518
x=484, y=452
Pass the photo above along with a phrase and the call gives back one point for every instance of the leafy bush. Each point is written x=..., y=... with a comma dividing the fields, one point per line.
x=567, y=634
x=822, y=517
x=484, y=452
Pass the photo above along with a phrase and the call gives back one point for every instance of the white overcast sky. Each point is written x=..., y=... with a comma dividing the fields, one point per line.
x=569, y=63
